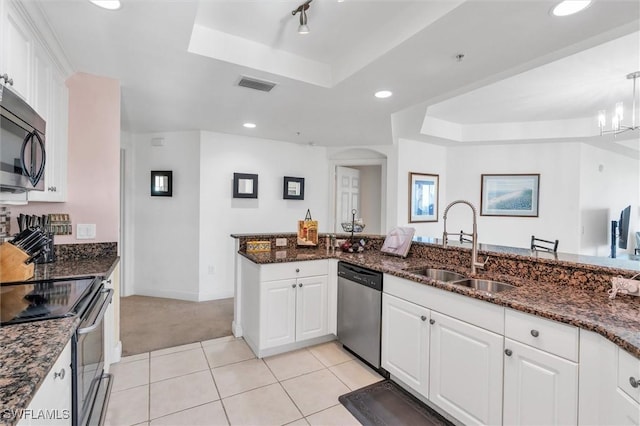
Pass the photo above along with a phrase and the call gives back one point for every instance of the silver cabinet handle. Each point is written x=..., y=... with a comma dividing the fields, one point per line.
x=423, y=318
x=634, y=382
x=59, y=374
x=432, y=321
x=508, y=352
x=535, y=333
x=293, y=286
x=297, y=269
x=300, y=285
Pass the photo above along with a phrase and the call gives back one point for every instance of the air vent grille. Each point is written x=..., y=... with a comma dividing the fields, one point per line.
x=253, y=83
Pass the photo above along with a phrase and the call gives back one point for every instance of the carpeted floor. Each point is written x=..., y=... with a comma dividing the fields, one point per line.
x=151, y=323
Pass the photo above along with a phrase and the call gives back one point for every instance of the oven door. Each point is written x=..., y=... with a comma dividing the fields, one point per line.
x=88, y=357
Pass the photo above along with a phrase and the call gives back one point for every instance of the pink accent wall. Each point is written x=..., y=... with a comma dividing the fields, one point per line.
x=93, y=163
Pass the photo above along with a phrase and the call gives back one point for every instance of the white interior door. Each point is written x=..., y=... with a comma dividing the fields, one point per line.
x=348, y=194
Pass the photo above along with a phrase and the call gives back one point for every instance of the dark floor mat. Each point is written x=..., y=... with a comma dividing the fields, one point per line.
x=385, y=403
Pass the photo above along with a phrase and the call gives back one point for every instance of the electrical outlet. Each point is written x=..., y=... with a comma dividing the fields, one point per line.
x=86, y=231
x=281, y=242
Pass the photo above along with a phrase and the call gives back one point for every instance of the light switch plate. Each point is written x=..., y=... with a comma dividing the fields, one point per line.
x=86, y=231
x=281, y=242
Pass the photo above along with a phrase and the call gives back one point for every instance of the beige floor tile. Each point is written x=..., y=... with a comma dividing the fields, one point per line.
x=130, y=374
x=242, y=376
x=131, y=358
x=315, y=391
x=355, y=374
x=293, y=364
x=331, y=353
x=211, y=414
x=268, y=405
x=177, y=364
x=218, y=340
x=128, y=407
x=299, y=422
x=224, y=353
x=334, y=416
x=179, y=393
x=175, y=349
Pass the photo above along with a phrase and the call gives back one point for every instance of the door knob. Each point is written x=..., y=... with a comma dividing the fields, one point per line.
x=293, y=286
x=508, y=352
x=297, y=269
x=423, y=318
x=634, y=382
x=432, y=321
x=300, y=285
x=535, y=333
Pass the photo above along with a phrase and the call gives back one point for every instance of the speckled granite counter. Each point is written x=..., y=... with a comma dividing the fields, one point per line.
x=581, y=300
x=29, y=350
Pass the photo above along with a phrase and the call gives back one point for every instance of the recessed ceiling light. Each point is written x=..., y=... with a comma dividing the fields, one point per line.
x=569, y=7
x=383, y=94
x=249, y=125
x=107, y=4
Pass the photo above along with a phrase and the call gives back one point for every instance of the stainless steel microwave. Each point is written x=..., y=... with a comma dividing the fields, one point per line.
x=22, y=144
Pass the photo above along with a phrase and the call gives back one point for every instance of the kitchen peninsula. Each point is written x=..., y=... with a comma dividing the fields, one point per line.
x=595, y=339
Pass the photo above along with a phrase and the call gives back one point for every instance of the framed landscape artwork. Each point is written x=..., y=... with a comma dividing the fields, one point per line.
x=423, y=197
x=509, y=195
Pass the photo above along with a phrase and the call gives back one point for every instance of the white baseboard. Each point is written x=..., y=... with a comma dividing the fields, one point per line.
x=215, y=295
x=167, y=294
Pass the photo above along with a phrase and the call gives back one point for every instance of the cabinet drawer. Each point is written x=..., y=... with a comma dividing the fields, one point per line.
x=282, y=271
x=628, y=372
x=549, y=336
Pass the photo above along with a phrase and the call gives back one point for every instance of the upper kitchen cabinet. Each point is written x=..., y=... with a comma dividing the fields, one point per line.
x=35, y=72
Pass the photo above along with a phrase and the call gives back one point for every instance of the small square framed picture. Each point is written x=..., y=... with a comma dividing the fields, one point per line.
x=245, y=185
x=293, y=188
x=161, y=183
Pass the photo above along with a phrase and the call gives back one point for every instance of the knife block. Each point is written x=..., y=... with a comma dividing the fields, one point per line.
x=12, y=264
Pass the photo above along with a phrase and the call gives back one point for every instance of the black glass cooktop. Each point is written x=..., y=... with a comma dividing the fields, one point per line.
x=40, y=300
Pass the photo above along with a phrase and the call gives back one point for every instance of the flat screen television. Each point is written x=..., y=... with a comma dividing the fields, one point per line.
x=623, y=227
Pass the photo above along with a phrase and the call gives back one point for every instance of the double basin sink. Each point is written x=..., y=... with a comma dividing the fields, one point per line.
x=458, y=279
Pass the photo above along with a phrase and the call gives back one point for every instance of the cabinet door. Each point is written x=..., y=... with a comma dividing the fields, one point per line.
x=311, y=307
x=277, y=313
x=51, y=405
x=405, y=342
x=17, y=52
x=466, y=370
x=539, y=388
x=625, y=410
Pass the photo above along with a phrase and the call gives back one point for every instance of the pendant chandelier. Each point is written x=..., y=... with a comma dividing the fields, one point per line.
x=617, y=125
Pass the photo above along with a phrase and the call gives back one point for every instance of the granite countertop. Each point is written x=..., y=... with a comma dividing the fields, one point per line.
x=29, y=350
x=618, y=320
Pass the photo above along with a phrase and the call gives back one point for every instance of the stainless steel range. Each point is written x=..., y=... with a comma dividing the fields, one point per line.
x=86, y=297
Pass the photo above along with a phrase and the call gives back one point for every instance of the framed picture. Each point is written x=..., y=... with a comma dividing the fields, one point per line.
x=245, y=185
x=510, y=195
x=293, y=188
x=423, y=197
x=161, y=183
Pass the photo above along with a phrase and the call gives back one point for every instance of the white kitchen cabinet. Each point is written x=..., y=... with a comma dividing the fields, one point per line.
x=540, y=371
x=466, y=370
x=284, y=305
x=625, y=410
x=51, y=405
x=17, y=51
x=539, y=388
x=405, y=342
x=112, y=344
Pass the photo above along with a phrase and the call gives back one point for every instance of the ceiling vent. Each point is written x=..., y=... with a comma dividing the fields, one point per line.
x=254, y=83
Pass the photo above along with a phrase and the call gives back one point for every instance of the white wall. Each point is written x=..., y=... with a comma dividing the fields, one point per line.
x=221, y=215
x=559, y=204
x=420, y=157
x=166, y=231
x=608, y=183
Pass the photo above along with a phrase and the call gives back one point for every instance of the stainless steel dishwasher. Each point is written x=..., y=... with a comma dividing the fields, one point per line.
x=360, y=311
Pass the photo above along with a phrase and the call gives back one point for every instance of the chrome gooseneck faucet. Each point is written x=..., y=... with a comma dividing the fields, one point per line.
x=474, y=235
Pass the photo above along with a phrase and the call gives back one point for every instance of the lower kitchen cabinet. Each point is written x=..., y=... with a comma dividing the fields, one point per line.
x=626, y=411
x=466, y=370
x=284, y=306
x=539, y=388
x=112, y=344
x=405, y=342
x=51, y=405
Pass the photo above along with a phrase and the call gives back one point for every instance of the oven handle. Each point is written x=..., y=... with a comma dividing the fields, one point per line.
x=103, y=309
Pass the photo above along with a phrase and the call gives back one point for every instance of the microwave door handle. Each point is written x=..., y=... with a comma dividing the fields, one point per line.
x=38, y=176
x=103, y=309
x=26, y=140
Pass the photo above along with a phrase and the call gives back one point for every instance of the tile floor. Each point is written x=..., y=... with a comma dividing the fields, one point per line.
x=221, y=382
